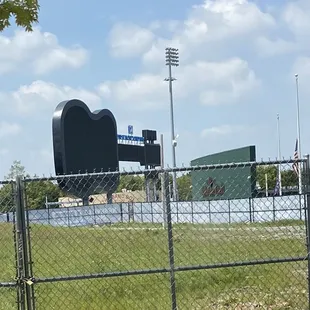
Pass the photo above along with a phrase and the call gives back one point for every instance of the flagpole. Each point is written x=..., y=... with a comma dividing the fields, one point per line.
x=279, y=155
x=298, y=134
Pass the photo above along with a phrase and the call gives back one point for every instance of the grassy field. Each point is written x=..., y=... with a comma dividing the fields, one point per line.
x=83, y=250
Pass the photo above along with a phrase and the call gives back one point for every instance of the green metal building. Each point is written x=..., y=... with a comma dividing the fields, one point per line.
x=225, y=183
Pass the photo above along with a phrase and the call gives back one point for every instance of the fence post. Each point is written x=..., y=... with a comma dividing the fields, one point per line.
x=253, y=210
x=68, y=216
x=17, y=269
x=121, y=212
x=95, y=219
x=299, y=199
x=48, y=215
x=130, y=212
x=300, y=206
x=170, y=243
x=210, y=215
x=307, y=218
x=30, y=262
x=250, y=210
x=273, y=209
x=152, y=212
x=141, y=213
x=163, y=199
x=23, y=262
x=192, y=209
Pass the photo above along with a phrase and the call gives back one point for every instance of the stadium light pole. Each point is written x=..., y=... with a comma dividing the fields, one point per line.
x=298, y=114
x=298, y=133
x=172, y=59
x=279, y=155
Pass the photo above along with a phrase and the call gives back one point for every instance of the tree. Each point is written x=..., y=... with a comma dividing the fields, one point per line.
x=25, y=13
x=288, y=177
x=7, y=191
x=131, y=182
x=7, y=203
x=17, y=169
x=36, y=191
x=136, y=183
x=184, y=185
x=271, y=172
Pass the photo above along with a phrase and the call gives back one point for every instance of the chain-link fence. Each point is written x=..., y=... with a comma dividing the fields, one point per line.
x=8, y=259
x=235, y=237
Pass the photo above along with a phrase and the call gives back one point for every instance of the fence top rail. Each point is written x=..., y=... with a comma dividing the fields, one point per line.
x=7, y=182
x=100, y=174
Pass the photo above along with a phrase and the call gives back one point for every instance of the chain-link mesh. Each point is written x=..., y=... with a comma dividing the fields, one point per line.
x=229, y=236
x=78, y=243
x=245, y=225
x=7, y=243
x=8, y=298
x=136, y=292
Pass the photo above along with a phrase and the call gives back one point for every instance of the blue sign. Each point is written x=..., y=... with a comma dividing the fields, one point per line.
x=130, y=129
x=130, y=138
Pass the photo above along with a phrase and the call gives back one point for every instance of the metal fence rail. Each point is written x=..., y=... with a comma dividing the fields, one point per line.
x=225, y=247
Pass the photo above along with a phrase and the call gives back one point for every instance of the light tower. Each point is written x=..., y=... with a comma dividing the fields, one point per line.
x=172, y=59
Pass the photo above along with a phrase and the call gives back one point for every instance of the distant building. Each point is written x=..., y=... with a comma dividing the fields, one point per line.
x=225, y=183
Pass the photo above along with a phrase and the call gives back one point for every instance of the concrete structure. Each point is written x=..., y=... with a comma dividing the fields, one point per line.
x=225, y=183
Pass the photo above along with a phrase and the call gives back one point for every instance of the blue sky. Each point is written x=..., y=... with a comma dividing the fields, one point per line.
x=237, y=64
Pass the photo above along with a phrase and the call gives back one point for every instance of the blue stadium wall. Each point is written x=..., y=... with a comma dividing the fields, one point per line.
x=225, y=183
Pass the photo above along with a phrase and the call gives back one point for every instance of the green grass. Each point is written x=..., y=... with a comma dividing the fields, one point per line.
x=59, y=251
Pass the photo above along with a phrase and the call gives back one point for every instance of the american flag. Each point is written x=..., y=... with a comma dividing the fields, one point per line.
x=295, y=165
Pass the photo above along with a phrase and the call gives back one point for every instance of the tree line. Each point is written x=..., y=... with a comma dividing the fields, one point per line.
x=137, y=182
x=288, y=177
x=38, y=191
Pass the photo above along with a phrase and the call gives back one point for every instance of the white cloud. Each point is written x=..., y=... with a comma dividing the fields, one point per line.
x=167, y=26
x=142, y=92
x=41, y=95
x=267, y=47
x=210, y=83
x=38, y=51
x=222, y=130
x=127, y=40
x=296, y=16
x=235, y=17
x=213, y=21
x=293, y=31
x=9, y=129
x=218, y=82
